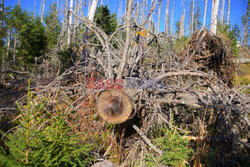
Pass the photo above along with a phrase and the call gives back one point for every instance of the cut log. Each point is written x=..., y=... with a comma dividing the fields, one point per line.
x=114, y=106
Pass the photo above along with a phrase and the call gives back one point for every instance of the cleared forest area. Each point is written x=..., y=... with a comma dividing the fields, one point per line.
x=101, y=89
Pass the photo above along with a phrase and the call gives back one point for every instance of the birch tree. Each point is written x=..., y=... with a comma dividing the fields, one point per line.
x=92, y=10
x=192, y=17
x=70, y=22
x=205, y=14
x=172, y=18
x=228, y=11
x=182, y=23
x=43, y=5
x=167, y=17
x=159, y=17
x=222, y=11
x=214, y=15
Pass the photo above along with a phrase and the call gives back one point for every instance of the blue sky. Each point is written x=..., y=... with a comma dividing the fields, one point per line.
x=238, y=8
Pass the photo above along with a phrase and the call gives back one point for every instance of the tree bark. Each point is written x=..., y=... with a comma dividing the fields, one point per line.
x=167, y=17
x=127, y=39
x=205, y=14
x=159, y=17
x=214, y=15
x=222, y=11
x=228, y=12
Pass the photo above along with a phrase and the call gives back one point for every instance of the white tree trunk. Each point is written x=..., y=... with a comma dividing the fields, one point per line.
x=150, y=19
x=15, y=41
x=70, y=22
x=214, y=15
x=42, y=10
x=92, y=10
x=167, y=17
x=8, y=42
x=192, y=19
x=228, y=12
x=159, y=17
x=172, y=18
x=182, y=23
x=75, y=19
x=222, y=11
x=205, y=14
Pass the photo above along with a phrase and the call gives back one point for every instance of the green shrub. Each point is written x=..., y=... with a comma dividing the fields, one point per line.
x=176, y=148
x=43, y=139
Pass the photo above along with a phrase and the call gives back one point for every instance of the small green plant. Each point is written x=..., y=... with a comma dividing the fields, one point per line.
x=43, y=139
x=176, y=148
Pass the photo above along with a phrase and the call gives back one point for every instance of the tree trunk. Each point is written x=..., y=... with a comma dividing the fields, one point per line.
x=159, y=17
x=182, y=23
x=91, y=13
x=192, y=19
x=205, y=14
x=246, y=26
x=150, y=19
x=65, y=18
x=34, y=9
x=42, y=10
x=214, y=15
x=222, y=11
x=75, y=20
x=228, y=12
x=15, y=41
x=167, y=17
x=114, y=106
x=127, y=39
x=70, y=22
x=8, y=43
x=172, y=18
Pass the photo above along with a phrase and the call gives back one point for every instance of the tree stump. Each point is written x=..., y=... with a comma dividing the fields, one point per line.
x=114, y=106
